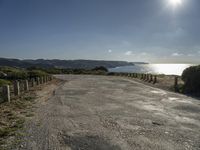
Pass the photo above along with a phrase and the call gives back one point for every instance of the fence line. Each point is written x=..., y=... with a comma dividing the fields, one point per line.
x=150, y=78
x=7, y=92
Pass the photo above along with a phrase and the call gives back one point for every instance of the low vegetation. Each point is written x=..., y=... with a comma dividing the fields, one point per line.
x=12, y=73
x=191, y=78
x=12, y=119
x=97, y=70
x=4, y=82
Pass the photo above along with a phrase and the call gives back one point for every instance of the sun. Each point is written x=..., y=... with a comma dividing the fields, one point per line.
x=175, y=2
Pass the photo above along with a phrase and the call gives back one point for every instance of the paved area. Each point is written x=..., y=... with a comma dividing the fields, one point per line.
x=113, y=113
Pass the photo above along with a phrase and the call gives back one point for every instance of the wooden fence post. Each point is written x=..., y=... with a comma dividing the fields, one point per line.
x=155, y=79
x=41, y=80
x=16, y=88
x=176, y=84
x=33, y=82
x=44, y=79
x=147, y=79
x=142, y=76
x=132, y=75
x=37, y=80
x=48, y=78
x=51, y=78
x=26, y=86
x=6, y=93
x=151, y=78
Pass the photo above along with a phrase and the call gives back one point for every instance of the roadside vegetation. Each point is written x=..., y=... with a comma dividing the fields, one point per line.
x=12, y=118
x=191, y=78
x=96, y=71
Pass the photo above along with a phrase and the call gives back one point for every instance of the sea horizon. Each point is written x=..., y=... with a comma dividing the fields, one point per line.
x=154, y=68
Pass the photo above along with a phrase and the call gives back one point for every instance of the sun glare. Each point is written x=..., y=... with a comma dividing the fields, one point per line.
x=175, y=2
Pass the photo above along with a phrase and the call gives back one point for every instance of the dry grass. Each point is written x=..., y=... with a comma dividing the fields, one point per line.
x=165, y=82
x=13, y=116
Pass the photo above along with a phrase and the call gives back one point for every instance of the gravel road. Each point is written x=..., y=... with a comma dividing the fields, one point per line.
x=113, y=113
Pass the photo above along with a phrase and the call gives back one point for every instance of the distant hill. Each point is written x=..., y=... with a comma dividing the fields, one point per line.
x=56, y=63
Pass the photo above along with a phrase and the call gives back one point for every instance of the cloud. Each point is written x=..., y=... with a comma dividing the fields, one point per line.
x=198, y=52
x=176, y=54
x=143, y=53
x=190, y=55
x=109, y=51
x=126, y=43
x=128, y=53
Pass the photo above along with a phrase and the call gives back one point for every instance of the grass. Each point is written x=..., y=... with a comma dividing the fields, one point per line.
x=165, y=82
x=12, y=118
x=4, y=82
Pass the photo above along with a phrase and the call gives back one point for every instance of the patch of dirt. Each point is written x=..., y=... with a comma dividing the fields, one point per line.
x=88, y=142
x=13, y=115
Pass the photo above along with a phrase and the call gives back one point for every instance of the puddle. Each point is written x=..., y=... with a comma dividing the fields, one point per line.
x=159, y=92
x=175, y=99
x=153, y=108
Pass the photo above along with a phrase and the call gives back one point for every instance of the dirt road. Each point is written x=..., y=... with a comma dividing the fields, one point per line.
x=112, y=113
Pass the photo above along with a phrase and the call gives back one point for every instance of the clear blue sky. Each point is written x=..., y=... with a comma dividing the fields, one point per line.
x=132, y=30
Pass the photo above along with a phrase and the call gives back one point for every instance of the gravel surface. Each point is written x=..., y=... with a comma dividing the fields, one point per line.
x=113, y=113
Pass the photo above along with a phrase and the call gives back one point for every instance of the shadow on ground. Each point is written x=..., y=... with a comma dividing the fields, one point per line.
x=88, y=142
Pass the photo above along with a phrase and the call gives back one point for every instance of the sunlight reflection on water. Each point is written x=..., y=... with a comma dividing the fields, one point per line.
x=168, y=69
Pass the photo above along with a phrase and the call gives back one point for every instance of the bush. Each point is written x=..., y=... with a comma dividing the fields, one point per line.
x=111, y=73
x=14, y=73
x=36, y=73
x=4, y=82
x=191, y=78
x=101, y=68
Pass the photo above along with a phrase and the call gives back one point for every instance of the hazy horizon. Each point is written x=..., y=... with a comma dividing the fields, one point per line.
x=156, y=31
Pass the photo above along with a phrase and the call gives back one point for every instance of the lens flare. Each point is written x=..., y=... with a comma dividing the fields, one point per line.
x=175, y=2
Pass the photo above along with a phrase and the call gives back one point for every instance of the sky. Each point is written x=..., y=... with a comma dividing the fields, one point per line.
x=155, y=31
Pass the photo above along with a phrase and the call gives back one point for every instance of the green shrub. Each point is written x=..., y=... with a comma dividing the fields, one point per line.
x=36, y=73
x=4, y=82
x=111, y=73
x=14, y=73
x=191, y=78
x=100, y=68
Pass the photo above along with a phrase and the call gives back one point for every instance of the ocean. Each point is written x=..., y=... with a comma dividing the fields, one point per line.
x=167, y=69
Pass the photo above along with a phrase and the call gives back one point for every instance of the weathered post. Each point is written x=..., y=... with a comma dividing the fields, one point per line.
x=151, y=78
x=41, y=80
x=132, y=75
x=155, y=79
x=136, y=75
x=6, y=93
x=176, y=84
x=44, y=79
x=142, y=76
x=32, y=82
x=51, y=78
x=26, y=86
x=147, y=79
x=37, y=80
x=16, y=88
